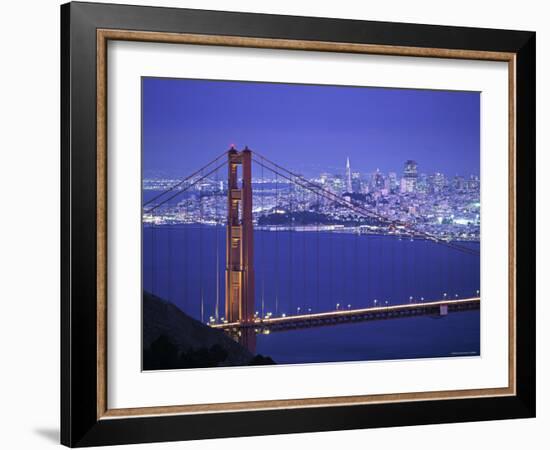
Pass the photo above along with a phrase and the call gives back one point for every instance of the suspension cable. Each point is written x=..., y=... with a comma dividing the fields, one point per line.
x=189, y=186
x=179, y=183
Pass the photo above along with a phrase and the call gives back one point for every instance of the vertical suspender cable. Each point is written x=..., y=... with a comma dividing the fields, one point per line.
x=368, y=239
x=185, y=276
x=304, y=235
x=262, y=241
x=355, y=263
x=217, y=191
x=331, y=264
x=404, y=263
x=168, y=228
x=450, y=289
x=153, y=247
x=276, y=243
x=391, y=242
x=412, y=267
x=200, y=258
x=381, y=263
x=290, y=232
x=440, y=258
x=343, y=283
x=318, y=256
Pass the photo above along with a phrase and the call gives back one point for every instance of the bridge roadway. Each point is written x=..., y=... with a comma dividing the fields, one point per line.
x=427, y=308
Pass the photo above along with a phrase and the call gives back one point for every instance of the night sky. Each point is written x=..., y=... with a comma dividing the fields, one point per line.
x=308, y=128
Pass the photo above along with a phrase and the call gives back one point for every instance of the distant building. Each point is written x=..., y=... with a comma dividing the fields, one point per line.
x=378, y=180
x=422, y=183
x=458, y=183
x=349, y=187
x=356, y=182
x=438, y=182
x=473, y=183
x=410, y=175
x=392, y=181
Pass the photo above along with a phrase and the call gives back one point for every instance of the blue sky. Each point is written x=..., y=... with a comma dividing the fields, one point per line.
x=308, y=128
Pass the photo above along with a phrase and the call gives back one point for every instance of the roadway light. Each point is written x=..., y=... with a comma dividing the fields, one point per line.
x=477, y=292
x=444, y=295
x=337, y=306
x=349, y=306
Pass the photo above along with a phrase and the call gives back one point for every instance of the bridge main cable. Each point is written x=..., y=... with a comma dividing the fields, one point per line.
x=187, y=178
x=189, y=186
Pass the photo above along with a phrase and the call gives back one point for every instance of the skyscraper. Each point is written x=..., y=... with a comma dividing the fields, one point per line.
x=349, y=187
x=438, y=181
x=408, y=182
x=356, y=182
x=392, y=181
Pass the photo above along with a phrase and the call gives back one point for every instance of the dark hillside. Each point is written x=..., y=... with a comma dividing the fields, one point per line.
x=172, y=340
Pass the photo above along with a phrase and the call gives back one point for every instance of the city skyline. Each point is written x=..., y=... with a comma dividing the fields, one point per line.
x=337, y=171
x=448, y=207
x=308, y=127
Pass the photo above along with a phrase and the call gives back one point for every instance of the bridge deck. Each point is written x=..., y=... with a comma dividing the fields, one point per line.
x=439, y=308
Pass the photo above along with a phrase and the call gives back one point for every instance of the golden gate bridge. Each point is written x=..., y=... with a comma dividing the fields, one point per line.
x=242, y=318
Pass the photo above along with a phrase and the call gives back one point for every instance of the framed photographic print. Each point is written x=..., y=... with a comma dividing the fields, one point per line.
x=276, y=224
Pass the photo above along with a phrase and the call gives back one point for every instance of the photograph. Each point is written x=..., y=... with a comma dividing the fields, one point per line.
x=289, y=223
x=282, y=221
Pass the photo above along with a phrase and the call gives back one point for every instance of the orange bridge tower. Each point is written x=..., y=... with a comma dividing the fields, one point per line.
x=239, y=272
